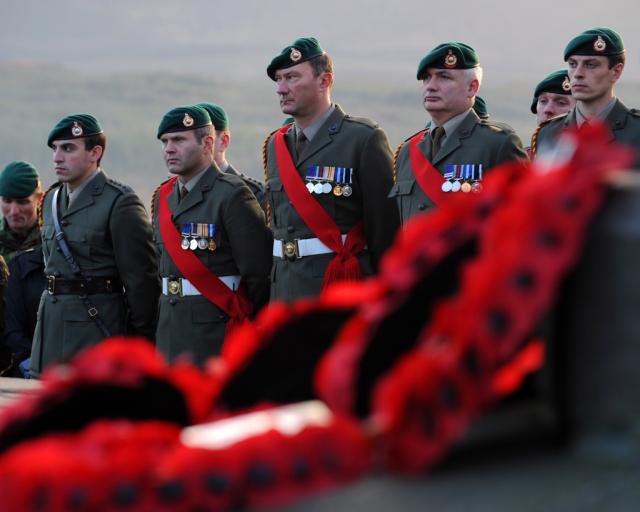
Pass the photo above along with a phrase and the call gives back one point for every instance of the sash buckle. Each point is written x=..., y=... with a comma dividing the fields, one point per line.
x=290, y=250
x=174, y=287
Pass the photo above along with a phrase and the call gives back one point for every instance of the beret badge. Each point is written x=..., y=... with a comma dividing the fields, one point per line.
x=295, y=55
x=450, y=60
x=566, y=85
x=600, y=44
x=76, y=129
x=187, y=121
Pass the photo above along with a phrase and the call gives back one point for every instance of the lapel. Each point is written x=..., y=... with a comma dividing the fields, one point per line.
x=325, y=134
x=86, y=196
x=195, y=195
x=454, y=141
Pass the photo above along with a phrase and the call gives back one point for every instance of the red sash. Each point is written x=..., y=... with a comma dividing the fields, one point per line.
x=236, y=305
x=427, y=176
x=345, y=265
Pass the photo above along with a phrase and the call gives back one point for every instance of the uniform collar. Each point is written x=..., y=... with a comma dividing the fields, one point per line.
x=452, y=124
x=602, y=115
x=193, y=181
x=311, y=130
x=76, y=192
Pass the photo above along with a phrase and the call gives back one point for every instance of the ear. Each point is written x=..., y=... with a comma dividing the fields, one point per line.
x=223, y=139
x=474, y=86
x=617, y=71
x=326, y=80
x=207, y=144
x=96, y=153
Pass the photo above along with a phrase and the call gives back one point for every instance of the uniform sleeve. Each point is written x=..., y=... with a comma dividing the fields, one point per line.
x=381, y=219
x=16, y=318
x=251, y=243
x=511, y=149
x=137, y=263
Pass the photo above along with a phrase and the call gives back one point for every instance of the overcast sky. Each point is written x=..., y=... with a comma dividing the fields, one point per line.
x=375, y=40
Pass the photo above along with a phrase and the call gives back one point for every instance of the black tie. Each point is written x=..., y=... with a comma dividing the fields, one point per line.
x=436, y=139
x=301, y=143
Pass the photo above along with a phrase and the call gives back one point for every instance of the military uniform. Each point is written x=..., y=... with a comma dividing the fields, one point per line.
x=254, y=185
x=475, y=141
x=349, y=143
x=623, y=122
x=190, y=323
x=109, y=234
x=10, y=244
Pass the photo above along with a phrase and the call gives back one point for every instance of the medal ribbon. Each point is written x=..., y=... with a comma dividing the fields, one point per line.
x=236, y=305
x=344, y=265
x=427, y=176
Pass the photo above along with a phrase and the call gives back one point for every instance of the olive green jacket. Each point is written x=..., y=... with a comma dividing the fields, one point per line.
x=623, y=122
x=342, y=141
x=109, y=233
x=474, y=141
x=191, y=325
x=255, y=186
x=10, y=244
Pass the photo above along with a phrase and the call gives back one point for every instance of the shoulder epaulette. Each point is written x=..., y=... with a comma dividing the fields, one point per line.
x=41, y=202
x=496, y=126
x=361, y=120
x=253, y=181
x=119, y=186
x=635, y=112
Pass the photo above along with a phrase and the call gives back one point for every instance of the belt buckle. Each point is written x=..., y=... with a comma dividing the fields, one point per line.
x=174, y=287
x=290, y=250
x=51, y=284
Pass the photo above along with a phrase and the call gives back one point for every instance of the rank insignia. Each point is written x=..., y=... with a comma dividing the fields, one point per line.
x=295, y=55
x=76, y=130
x=188, y=120
x=566, y=85
x=450, y=60
x=600, y=44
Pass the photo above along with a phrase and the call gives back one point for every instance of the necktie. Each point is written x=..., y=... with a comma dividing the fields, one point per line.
x=436, y=139
x=301, y=142
x=182, y=192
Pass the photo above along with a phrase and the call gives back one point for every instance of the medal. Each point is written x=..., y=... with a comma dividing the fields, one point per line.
x=347, y=190
x=202, y=244
x=212, y=245
x=446, y=186
x=455, y=186
x=448, y=176
x=310, y=187
x=327, y=188
x=337, y=190
x=476, y=187
x=193, y=244
x=185, y=243
x=466, y=187
x=317, y=188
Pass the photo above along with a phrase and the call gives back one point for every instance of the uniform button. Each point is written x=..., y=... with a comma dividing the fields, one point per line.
x=290, y=229
x=172, y=301
x=222, y=317
x=57, y=274
x=65, y=223
x=267, y=186
x=422, y=206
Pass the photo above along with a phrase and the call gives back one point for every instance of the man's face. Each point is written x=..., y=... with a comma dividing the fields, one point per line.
x=299, y=90
x=73, y=162
x=183, y=154
x=591, y=78
x=20, y=214
x=551, y=104
x=447, y=92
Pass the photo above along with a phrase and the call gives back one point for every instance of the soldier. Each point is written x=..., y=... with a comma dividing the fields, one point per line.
x=595, y=62
x=327, y=177
x=459, y=147
x=98, y=251
x=20, y=193
x=221, y=144
x=552, y=96
x=212, y=239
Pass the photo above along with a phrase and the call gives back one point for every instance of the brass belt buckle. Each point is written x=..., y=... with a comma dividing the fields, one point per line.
x=51, y=284
x=290, y=250
x=174, y=287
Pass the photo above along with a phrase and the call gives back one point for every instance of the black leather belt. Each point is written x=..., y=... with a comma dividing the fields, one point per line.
x=89, y=286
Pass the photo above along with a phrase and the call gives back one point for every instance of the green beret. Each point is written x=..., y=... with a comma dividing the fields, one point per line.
x=18, y=180
x=217, y=114
x=182, y=119
x=596, y=41
x=301, y=50
x=557, y=83
x=451, y=55
x=480, y=106
x=74, y=127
